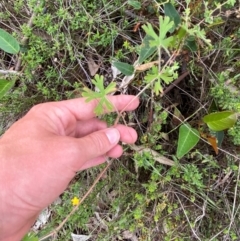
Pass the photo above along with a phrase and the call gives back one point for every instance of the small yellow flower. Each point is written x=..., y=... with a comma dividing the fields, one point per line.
x=75, y=201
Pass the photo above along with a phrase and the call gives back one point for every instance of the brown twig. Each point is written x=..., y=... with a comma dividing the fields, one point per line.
x=157, y=157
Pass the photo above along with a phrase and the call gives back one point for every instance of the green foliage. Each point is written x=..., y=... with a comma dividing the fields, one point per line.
x=145, y=49
x=138, y=194
x=192, y=175
x=5, y=86
x=100, y=95
x=220, y=120
x=168, y=74
x=220, y=136
x=8, y=43
x=135, y=4
x=190, y=43
x=187, y=139
x=124, y=68
x=234, y=133
x=30, y=237
x=172, y=13
x=160, y=40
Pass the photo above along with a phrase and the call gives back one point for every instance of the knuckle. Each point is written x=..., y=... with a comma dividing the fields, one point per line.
x=37, y=108
x=97, y=142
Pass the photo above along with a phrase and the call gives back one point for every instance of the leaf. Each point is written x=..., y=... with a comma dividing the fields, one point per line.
x=125, y=68
x=125, y=81
x=190, y=43
x=188, y=138
x=220, y=136
x=150, y=31
x=144, y=67
x=167, y=78
x=98, y=82
x=42, y=220
x=30, y=237
x=213, y=142
x=157, y=156
x=158, y=87
x=145, y=50
x=110, y=88
x=165, y=25
x=135, y=4
x=5, y=86
x=220, y=121
x=115, y=72
x=8, y=43
x=101, y=96
x=178, y=118
x=152, y=74
x=173, y=14
x=169, y=73
x=92, y=66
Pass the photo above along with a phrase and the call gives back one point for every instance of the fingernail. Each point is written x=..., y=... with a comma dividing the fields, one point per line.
x=113, y=135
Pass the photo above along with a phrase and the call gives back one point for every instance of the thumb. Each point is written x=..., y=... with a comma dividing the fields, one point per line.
x=96, y=144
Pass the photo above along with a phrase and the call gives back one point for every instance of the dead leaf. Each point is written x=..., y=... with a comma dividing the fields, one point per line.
x=212, y=140
x=178, y=118
x=157, y=157
x=125, y=81
x=129, y=235
x=79, y=237
x=92, y=66
x=165, y=136
x=42, y=219
x=146, y=66
x=115, y=71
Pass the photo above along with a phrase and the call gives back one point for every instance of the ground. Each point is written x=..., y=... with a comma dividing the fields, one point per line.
x=192, y=71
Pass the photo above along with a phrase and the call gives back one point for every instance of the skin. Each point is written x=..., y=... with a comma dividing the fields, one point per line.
x=41, y=153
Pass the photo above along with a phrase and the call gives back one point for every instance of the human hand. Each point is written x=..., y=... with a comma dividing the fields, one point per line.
x=41, y=153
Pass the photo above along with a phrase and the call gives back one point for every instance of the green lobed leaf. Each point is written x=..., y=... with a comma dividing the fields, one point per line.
x=8, y=43
x=157, y=87
x=160, y=40
x=125, y=68
x=5, y=86
x=165, y=25
x=110, y=88
x=152, y=74
x=150, y=32
x=101, y=96
x=187, y=139
x=220, y=121
x=166, y=78
x=173, y=14
x=98, y=82
x=145, y=49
